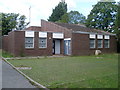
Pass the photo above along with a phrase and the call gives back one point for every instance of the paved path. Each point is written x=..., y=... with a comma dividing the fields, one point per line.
x=12, y=79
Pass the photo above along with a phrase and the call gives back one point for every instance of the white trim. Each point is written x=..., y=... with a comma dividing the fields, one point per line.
x=29, y=33
x=107, y=37
x=67, y=39
x=43, y=34
x=99, y=36
x=92, y=36
x=92, y=33
x=84, y=32
x=58, y=35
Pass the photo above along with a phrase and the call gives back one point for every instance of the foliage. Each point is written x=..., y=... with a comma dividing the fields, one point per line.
x=6, y=54
x=12, y=21
x=117, y=26
x=64, y=19
x=58, y=12
x=73, y=72
x=73, y=17
x=21, y=24
x=102, y=16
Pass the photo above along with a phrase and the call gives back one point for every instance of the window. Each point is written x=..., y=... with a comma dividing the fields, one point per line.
x=42, y=42
x=106, y=43
x=100, y=43
x=29, y=42
x=92, y=43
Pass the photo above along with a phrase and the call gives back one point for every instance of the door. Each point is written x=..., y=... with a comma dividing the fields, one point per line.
x=67, y=47
x=57, y=46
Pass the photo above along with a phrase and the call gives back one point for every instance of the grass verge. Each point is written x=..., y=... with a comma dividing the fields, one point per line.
x=73, y=72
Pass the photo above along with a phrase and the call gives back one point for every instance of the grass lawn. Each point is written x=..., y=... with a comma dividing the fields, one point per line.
x=73, y=72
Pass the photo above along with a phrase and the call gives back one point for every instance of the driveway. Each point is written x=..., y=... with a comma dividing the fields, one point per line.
x=12, y=79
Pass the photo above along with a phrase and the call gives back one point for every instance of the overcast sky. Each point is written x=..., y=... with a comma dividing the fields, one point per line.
x=42, y=9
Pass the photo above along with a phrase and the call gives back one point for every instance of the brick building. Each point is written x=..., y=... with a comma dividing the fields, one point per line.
x=58, y=38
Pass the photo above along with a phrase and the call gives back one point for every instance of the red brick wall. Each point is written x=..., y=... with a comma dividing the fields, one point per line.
x=51, y=27
x=11, y=42
x=40, y=51
x=5, y=43
x=19, y=42
x=15, y=44
x=80, y=45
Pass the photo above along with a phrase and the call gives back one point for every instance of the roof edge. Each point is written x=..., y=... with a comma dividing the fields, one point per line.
x=92, y=33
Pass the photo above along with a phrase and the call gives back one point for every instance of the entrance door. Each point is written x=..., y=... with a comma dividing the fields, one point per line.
x=56, y=47
x=67, y=47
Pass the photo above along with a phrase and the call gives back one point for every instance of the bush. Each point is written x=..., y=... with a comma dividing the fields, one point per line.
x=6, y=54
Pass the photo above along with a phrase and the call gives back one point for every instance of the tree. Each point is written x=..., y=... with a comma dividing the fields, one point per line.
x=58, y=12
x=102, y=16
x=64, y=19
x=12, y=21
x=73, y=17
x=117, y=26
x=21, y=23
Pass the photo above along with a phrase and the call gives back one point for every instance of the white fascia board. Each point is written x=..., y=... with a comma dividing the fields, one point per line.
x=99, y=36
x=67, y=39
x=58, y=35
x=29, y=33
x=92, y=36
x=92, y=33
x=43, y=34
x=107, y=37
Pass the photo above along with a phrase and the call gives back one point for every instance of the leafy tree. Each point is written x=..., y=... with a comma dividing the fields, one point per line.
x=64, y=18
x=12, y=21
x=21, y=24
x=73, y=17
x=58, y=12
x=102, y=16
x=117, y=26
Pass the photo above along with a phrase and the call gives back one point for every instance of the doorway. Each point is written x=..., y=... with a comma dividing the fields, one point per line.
x=67, y=47
x=56, y=46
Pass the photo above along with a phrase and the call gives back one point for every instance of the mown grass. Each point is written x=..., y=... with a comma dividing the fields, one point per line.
x=73, y=72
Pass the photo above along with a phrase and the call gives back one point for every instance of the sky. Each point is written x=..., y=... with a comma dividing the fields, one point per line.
x=42, y=9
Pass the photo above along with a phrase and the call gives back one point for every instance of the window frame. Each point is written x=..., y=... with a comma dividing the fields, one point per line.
x=100, y=43
x=108, y=45
x=28, y=43
x=39, y=42
x=94, y=44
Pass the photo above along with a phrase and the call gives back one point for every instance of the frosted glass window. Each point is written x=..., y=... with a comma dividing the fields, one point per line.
x=100, y=43
x=106, y=43
x=92, y=43
x=29, y=43
x=42, y=42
